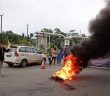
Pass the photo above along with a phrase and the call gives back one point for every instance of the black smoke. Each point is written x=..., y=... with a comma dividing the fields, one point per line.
x=98, y=43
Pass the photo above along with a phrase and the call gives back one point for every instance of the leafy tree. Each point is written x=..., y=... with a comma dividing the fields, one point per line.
x=31, y=35
x=74, y=34
x=72, y=30
x=57, y=30
x=23, y=35
x=15, y=38
x=46, y=30
x=83, y=35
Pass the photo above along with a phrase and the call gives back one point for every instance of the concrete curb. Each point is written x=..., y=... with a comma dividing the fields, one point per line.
x=107, y=68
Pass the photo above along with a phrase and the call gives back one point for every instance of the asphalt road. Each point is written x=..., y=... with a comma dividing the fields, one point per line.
x=33, y=81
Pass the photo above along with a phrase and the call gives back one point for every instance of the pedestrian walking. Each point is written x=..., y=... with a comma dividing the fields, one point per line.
x=53, y=52
x=2, y=51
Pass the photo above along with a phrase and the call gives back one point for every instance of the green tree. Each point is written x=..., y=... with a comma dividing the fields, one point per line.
x=83, y=35
x=31, y=35
x=15, y=38
x=46, y=30
x=58, y=31
x=23, y=35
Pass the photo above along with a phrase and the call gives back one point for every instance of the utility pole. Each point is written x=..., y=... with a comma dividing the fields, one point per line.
x=49, y=41
x=27, y=33
x=1, y=26
x=43, y=41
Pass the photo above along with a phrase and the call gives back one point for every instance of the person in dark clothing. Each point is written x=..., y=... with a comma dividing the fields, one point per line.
x=66, y=51
x=59, y=56
x=49, y=56
x=2, y=51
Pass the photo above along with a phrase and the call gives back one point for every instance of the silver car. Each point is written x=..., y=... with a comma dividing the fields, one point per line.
x=23, y=55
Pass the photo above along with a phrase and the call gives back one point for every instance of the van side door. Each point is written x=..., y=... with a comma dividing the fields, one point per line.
x=22, y=53
x=30, y=55
x=37, y=55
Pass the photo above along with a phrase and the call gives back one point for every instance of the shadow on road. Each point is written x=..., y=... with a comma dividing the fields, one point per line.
x=29, y=65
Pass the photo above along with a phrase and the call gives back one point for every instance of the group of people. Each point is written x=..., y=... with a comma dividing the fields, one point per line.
x=56, y=55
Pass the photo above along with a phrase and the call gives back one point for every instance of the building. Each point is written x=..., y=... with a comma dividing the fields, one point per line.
x=43, y=40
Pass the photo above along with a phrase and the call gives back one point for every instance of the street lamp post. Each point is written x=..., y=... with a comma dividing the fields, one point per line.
x=27, y=32
x=1, y=26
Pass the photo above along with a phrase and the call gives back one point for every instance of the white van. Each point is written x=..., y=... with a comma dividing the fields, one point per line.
x=23, y=55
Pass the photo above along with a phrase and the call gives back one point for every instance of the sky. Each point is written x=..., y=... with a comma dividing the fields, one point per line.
x=63, y=14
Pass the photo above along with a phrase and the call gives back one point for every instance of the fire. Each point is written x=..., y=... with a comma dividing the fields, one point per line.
x=70, y=68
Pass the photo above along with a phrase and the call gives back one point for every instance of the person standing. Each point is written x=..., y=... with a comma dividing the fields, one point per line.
x=2, y=51
x=53, y=56
x=49, y=56
x=66, y=51
x=59, y=56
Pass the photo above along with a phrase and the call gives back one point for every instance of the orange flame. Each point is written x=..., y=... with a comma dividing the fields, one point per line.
x=70, y=68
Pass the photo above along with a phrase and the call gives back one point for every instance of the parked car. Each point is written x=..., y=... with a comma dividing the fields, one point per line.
x=23, y=55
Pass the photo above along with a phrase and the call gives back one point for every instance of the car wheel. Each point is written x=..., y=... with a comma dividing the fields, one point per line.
x=23, y=63
x=10, y=64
